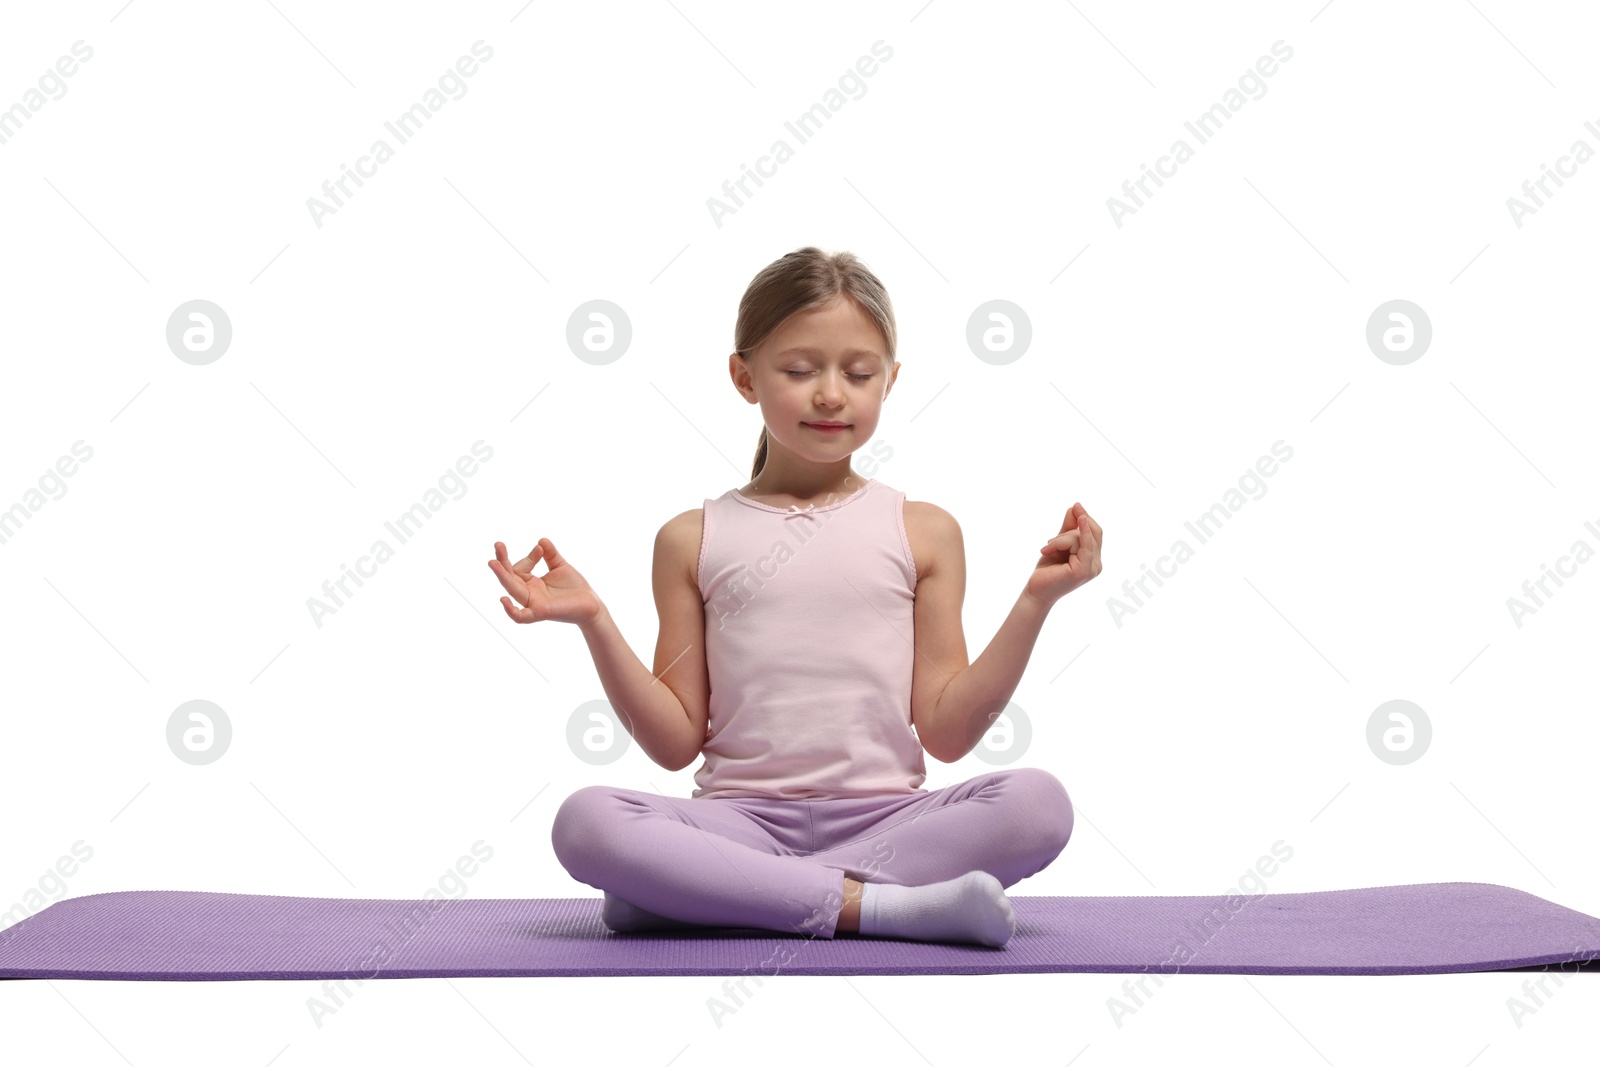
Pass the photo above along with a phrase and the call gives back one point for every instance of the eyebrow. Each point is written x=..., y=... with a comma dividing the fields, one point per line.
x=817, y=351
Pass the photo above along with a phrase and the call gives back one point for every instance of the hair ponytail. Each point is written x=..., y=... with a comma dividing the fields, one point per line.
x=761, y=455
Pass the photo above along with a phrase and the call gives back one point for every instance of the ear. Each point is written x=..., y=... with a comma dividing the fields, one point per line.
x=739, y=371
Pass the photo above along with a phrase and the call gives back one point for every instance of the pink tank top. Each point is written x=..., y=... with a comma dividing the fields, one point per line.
x=808, y=648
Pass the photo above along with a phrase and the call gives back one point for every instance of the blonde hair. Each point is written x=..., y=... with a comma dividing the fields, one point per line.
x=803, y=279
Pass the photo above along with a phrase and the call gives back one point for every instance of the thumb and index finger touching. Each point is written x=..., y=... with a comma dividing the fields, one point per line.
x=511, y=578
x=1078, y=518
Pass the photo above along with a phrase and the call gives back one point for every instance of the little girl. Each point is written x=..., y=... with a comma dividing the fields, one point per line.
x=810, y=651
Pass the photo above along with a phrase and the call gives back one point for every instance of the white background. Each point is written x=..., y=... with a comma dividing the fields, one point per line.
x=430, y=312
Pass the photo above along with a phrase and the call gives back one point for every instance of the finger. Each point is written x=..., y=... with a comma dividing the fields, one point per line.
x=511, y=583
x=523, y=567
x=1066, y=542
x=1087, y=524
x=517, y=614
x=552, y=558
x=1094, y=529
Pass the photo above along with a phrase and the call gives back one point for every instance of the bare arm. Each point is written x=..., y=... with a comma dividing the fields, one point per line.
x=650, y=711
x=960, y=702
x=665, y=714
x=974, y=698
x=953, y=704
x=665, y=711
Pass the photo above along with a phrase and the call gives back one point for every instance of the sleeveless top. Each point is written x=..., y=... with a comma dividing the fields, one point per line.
x=809, y=648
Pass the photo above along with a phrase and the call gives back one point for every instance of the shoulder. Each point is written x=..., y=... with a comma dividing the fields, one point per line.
x=678, y=541
x=934, y=534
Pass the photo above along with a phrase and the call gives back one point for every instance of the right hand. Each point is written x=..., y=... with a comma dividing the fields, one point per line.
x=560, y=594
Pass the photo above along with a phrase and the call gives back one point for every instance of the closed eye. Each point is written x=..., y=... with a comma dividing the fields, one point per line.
x=803, y=373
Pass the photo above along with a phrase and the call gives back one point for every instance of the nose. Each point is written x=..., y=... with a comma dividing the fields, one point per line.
x=830, y=391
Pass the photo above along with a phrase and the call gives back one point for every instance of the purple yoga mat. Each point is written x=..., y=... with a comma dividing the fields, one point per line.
x=174, y=935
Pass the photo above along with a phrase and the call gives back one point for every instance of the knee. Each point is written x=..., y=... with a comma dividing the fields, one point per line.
x=576, y=831
x=1044, y=809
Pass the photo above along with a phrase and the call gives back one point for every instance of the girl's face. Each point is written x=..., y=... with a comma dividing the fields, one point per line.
x=827, y=364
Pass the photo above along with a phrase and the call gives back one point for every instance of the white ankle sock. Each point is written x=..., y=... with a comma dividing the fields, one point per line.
x=623, y=917
x=972, y=907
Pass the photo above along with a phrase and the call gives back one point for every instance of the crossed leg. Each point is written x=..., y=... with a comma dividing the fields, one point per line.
x=667, y=862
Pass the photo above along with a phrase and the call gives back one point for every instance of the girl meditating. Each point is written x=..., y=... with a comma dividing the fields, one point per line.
x=810, y=652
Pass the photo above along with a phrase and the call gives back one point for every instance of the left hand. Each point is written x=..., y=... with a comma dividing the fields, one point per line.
x=1068, y=559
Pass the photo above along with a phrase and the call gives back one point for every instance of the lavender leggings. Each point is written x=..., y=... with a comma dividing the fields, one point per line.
x=769, y=864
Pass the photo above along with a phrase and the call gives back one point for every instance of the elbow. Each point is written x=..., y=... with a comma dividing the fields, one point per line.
x=678, y=764
x=938, y=751
x=669, y=756
x=937, y=742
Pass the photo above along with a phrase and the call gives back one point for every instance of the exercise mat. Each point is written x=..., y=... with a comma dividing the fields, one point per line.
x=176, y=935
